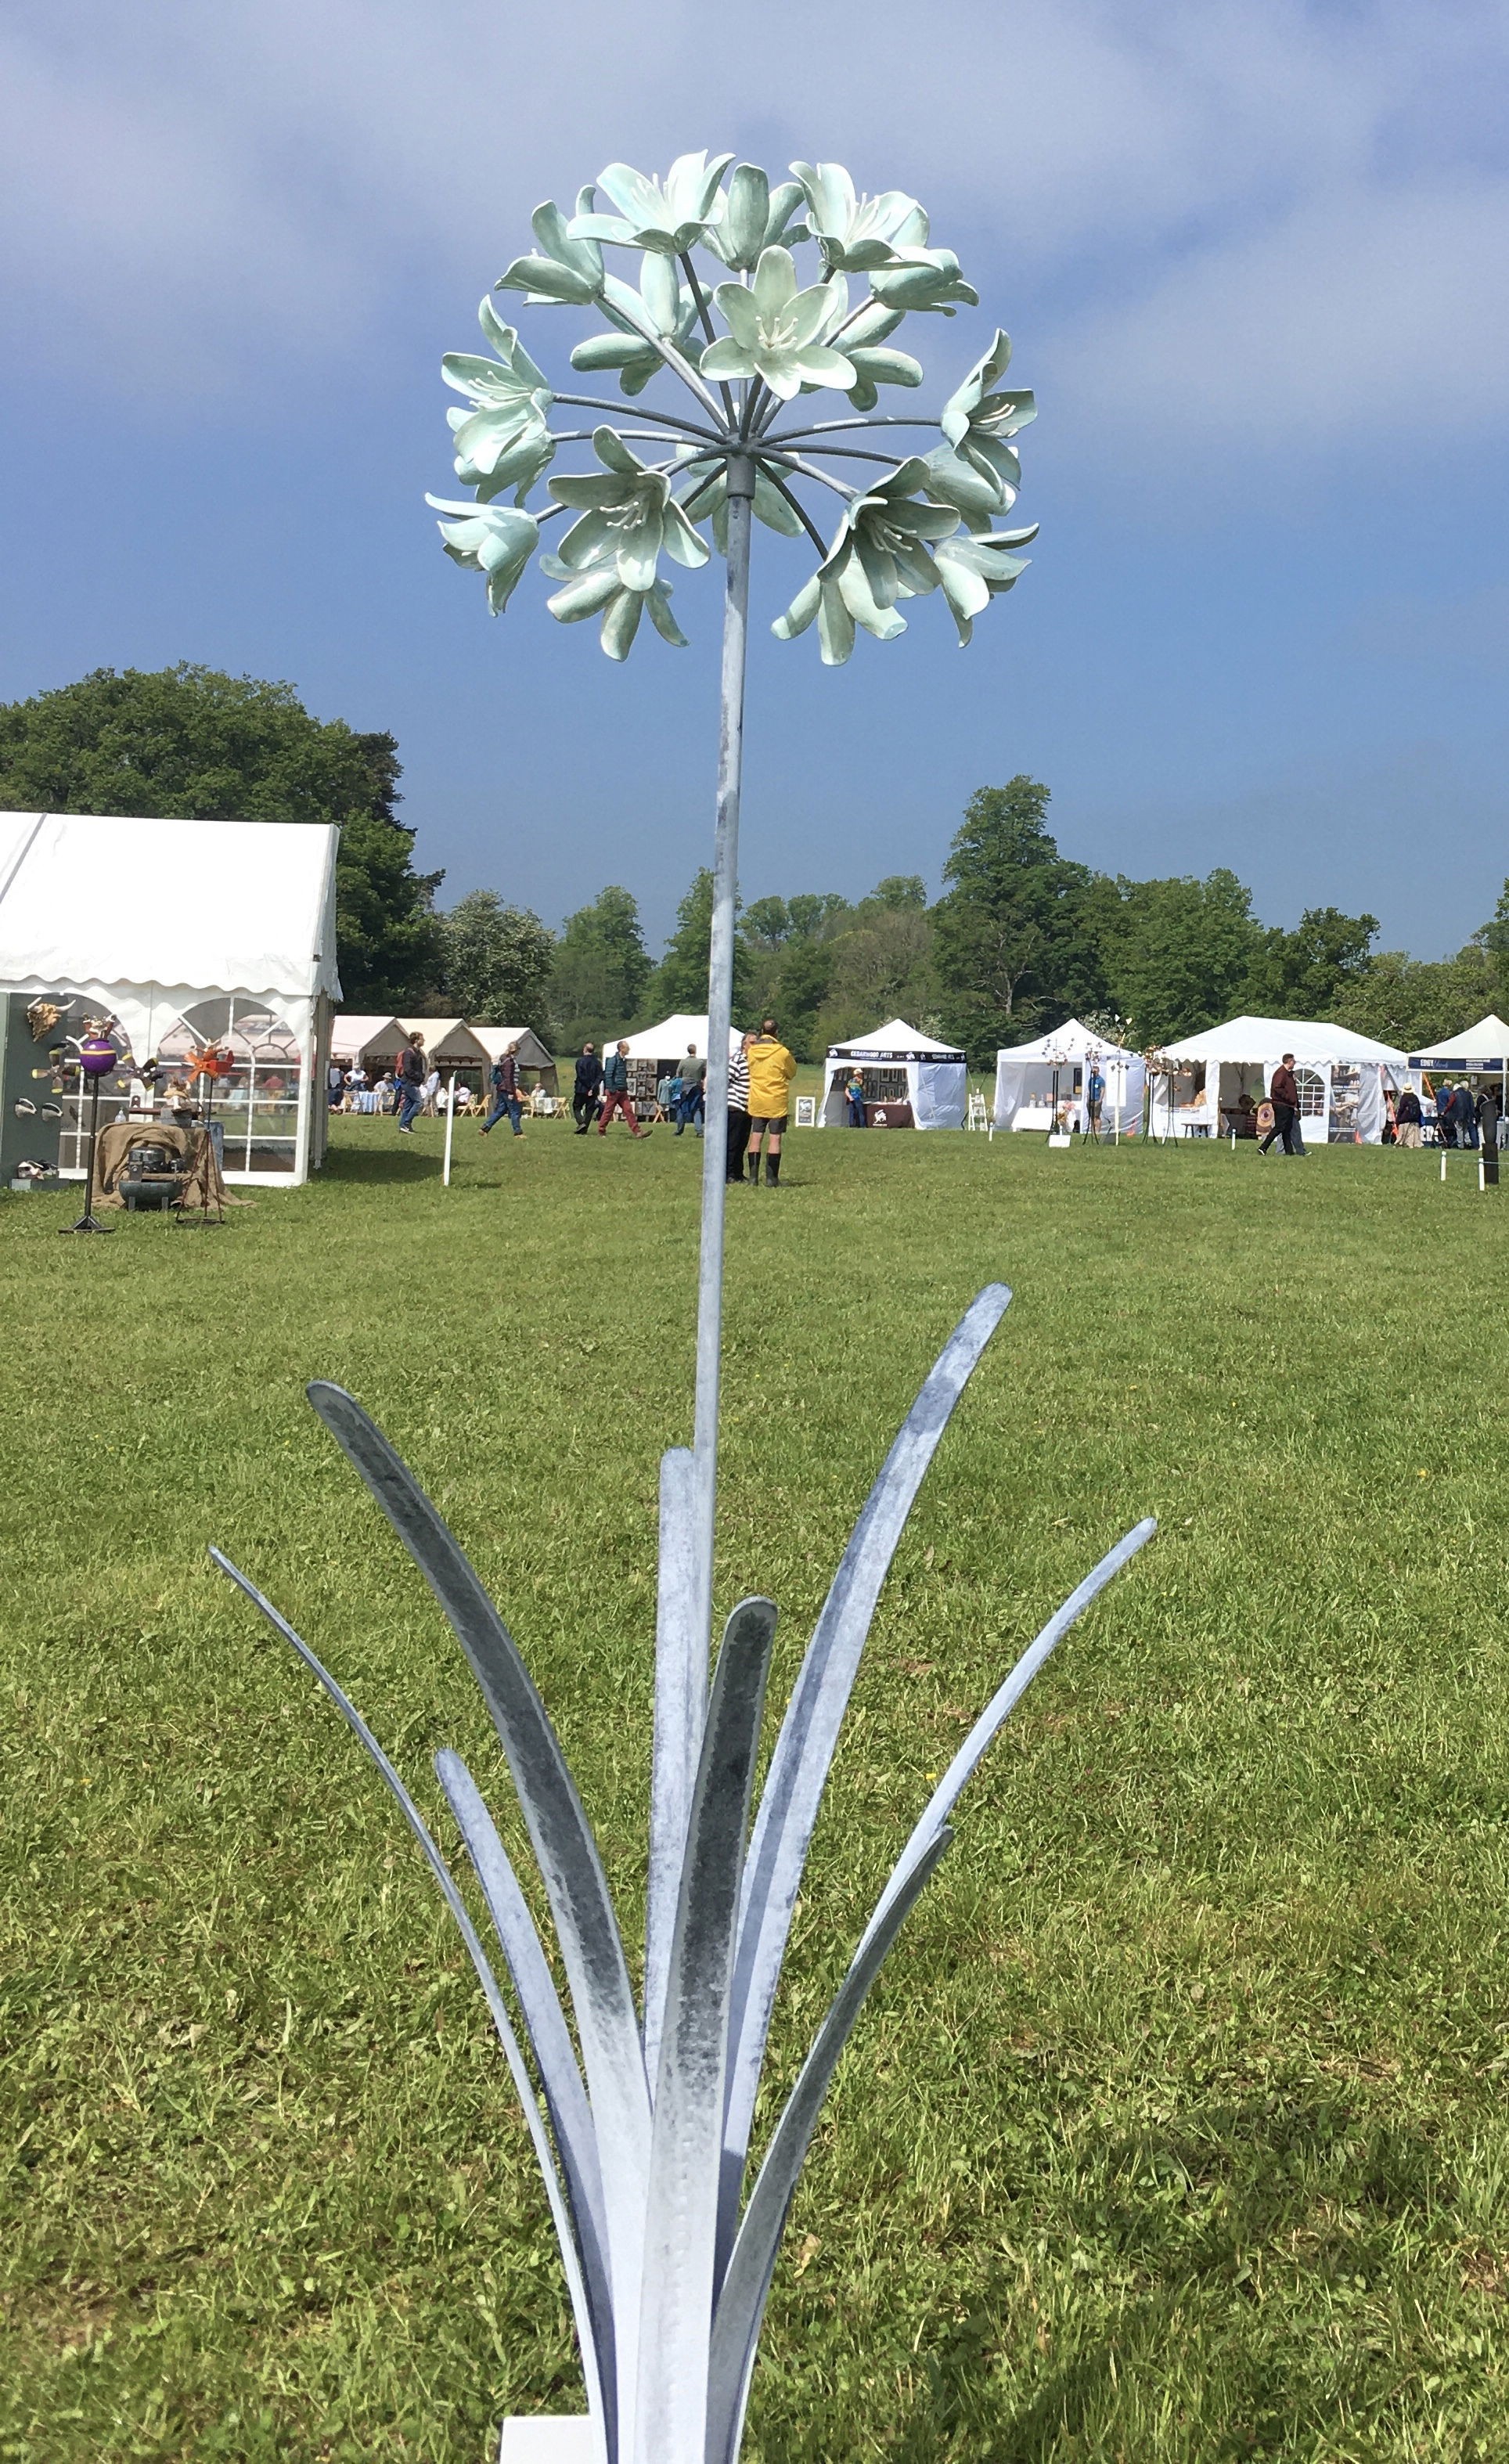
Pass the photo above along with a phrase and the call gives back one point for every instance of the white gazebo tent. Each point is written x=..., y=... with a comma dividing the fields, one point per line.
x=1224, y=1075
x=185, y=932
x=1024, y=1076
x=931, y=1077
x=658, y=1051
x=1477, y=1052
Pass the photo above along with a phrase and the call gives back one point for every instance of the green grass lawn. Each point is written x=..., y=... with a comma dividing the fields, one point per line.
x=1176, y=2126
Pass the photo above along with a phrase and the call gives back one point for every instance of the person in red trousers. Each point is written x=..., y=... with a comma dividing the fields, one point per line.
x=615, y=1094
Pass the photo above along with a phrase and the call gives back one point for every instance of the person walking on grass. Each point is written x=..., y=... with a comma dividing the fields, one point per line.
x=615, y=1094
x=504, y=1080
x=409, y=1070
x=692, y=1104
x=587, y=1090
x=772, y=1069
x=1285, y=1097
x=739, y=1133
x=1408, y=1116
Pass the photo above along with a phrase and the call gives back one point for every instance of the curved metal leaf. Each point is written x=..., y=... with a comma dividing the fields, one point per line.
x=514, y=2053
x=1002, y=1702
x=680, y=1706
x=681, y=2214
x=809, y=1732
x=746, y=2285
x=606, y=2021
x=555, y=2054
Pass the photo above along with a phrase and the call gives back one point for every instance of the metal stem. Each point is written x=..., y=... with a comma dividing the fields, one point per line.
x=667, y=418
x=831, y=427
x=720, y=1017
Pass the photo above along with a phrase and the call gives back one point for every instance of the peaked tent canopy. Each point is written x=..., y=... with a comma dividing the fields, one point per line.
x=1024, y=1075
x=934, y=1075
x=1224, y=1073
x=187, y=933
x=352, y=1037
x=531, y=1053
x=668, y=1040
x=1477, y=1049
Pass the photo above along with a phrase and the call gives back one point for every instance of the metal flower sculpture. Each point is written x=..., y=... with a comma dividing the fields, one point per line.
x=640, y=2115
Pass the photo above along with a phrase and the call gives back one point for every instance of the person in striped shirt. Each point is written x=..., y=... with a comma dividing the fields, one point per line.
x=738, y=1108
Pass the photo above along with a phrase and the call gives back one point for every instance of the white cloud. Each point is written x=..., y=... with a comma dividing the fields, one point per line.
x=1229, y=219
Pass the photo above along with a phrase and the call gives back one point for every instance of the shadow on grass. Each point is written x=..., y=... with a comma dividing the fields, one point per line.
x=380, y=1165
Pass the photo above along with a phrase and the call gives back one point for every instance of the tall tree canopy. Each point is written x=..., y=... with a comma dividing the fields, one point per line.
x=496, y=962
x=191, y=743
x=1015, y=947
x=601, y=969
x=681, y=978
x=1176, y=954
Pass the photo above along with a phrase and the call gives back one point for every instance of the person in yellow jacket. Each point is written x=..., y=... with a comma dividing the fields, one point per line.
x=772, y=1070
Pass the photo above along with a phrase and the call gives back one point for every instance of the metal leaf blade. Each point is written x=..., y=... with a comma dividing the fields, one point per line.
x=681, y=1704
x=565, y=2098
x=804, y=1749
x=682, y=2211
x=558, y=1829
x=1002, y=1702
x=746, y=2284
x=560, y=2209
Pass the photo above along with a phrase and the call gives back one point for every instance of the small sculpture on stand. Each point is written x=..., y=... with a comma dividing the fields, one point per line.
x=96, y=1058
x=203, y=1196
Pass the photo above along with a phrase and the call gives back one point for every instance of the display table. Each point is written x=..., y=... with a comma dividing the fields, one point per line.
x=889, y=1116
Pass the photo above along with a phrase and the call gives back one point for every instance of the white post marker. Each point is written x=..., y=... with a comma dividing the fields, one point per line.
x=450, y=1130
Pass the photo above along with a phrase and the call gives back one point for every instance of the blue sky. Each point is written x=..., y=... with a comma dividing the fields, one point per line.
x=1254, y=259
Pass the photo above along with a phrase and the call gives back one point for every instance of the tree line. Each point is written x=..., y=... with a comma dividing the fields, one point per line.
x=1020, y=937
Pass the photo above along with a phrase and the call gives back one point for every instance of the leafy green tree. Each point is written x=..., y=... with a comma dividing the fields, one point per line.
x=1494, y=939
x=901, y=889
x=1176, y=953
x=680, y=981
x=767, y=924
x=881, y=968
x=1016, y=947
x=496, y=962
x=1414, y=1002
x=192, y=744
x=1306, y=973
x=601, y=968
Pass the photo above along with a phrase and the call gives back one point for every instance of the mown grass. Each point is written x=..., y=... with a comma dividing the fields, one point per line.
x=1176, y=2127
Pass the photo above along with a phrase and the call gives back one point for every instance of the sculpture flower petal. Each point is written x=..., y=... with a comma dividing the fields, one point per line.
x=975, y=568
x=753, y=216
x=855, y=233
x=512, y=404
x=777, y=332
x=663, y=305
x=518, y=468
x=568, y=272
x=924, y=278
x=490, y=539
x=626, y=512
x=591, y=587
x=977, y=423
x=879, y=555
x=877, y=368
x=666, y=218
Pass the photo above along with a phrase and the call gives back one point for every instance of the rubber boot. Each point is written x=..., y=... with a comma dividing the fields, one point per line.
x=754, y=1172
x=772, y=1171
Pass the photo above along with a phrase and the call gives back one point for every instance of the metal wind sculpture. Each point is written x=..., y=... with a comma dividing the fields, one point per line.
x=640, y=2115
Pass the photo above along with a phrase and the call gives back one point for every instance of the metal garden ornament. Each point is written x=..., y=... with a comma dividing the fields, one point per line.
x=641, y=2111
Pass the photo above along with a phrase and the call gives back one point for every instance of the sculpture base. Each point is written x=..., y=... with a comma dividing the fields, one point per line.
x=547, y=2438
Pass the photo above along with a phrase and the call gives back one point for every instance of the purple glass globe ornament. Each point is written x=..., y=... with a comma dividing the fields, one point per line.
x=97, y=1056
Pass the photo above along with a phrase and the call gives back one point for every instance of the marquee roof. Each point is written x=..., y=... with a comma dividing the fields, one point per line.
x=895, y=1041
x=1314, y=1042
x=668, y=1040
x=88, y=899
x=1483, y=1046
x=1073, y=1041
